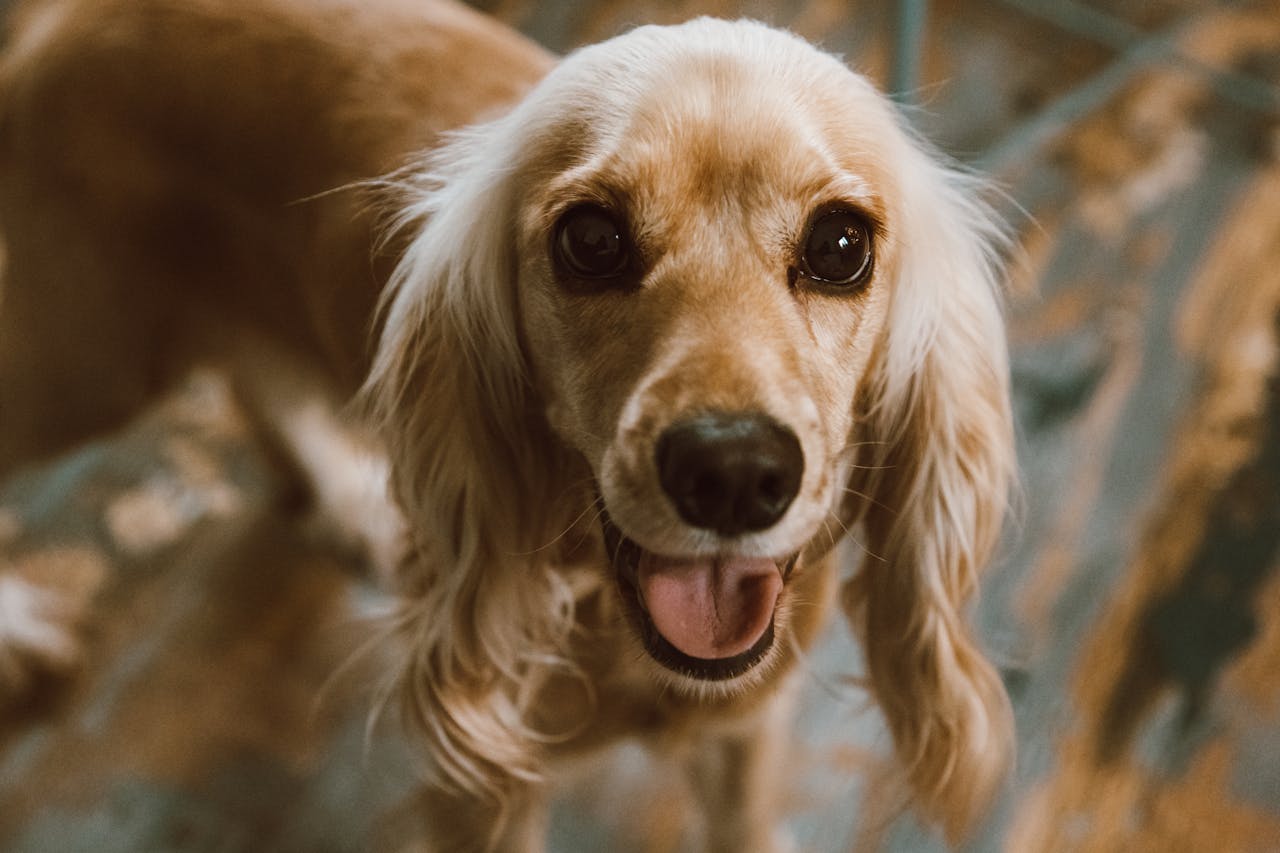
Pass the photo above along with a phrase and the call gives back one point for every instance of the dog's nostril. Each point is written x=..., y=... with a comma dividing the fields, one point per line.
x=770, y=487
x=709, y=487
x=730, y=473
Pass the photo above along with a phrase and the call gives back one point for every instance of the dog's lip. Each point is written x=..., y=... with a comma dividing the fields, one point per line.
x=627, y=558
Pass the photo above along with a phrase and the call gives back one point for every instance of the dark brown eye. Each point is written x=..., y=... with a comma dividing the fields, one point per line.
x=837, y=249
x=589, y=243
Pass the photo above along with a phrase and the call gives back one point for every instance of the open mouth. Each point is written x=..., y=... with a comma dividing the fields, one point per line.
x=709, y=618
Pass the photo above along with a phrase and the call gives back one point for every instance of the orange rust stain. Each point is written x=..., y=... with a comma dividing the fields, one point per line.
x=1229, y=288
x=1198, y=812
x=1094, y=435
x=1066, y=311
x=1255, y=675
x=1146, y=145
x=1127, y=809
x=1137, y=150
x=1090, y=804
x=1124, y=158
x=1221, y=39
x=245, y=674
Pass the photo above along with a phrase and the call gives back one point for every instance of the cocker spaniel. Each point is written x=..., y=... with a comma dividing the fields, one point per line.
x=640, y=334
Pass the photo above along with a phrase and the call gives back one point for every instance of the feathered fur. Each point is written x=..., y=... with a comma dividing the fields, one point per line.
x=521, y=410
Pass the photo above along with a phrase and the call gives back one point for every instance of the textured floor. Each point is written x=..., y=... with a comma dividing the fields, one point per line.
x=1135, y=610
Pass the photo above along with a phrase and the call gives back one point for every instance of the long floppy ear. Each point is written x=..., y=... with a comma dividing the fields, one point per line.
x=474, y=469
x=935, y=472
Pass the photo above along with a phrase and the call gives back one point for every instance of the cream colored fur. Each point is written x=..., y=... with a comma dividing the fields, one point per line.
x=387, y=222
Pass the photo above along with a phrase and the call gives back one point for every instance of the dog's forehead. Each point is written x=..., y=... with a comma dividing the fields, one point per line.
x=724, y=115
x=716, y=130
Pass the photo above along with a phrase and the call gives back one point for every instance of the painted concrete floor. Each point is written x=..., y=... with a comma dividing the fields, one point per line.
x=1135, y=610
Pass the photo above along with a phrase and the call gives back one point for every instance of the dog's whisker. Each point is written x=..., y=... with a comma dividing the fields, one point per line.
x=332, y=191
x=831, y=538
x=848, y=534
x=839, y=521
x=869, y=499
x=861, y=546
x=597, y=505
x=588, y=528
x=858, y=445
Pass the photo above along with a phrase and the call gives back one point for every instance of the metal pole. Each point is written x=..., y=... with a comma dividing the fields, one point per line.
x=908, y=40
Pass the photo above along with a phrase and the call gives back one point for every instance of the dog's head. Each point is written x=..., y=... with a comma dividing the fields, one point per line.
x=701, y=264
x=706, y=271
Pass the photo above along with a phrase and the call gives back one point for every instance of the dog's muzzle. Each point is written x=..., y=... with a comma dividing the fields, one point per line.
x=711, y=617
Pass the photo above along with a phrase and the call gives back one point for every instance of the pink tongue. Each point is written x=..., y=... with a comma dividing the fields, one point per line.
x=710, y=609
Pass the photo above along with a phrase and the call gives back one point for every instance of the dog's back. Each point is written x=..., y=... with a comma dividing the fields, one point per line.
x=171, y=177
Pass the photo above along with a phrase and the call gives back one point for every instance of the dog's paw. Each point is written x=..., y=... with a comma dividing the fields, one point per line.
x=37, y=635
x=44, y=598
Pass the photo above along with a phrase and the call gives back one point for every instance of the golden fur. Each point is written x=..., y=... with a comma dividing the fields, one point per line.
x=173, y=192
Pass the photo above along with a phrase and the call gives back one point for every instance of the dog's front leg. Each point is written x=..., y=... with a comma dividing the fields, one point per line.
x=457, y=823
x=736, y=779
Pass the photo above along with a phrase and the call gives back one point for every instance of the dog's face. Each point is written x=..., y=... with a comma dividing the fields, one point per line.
x=706, y=257
x=708, y=263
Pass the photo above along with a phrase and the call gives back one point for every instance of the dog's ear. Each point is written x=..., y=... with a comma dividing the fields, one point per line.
x=474, y=468
x=934, y=475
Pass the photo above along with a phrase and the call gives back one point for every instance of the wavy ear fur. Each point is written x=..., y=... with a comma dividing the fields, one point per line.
x=936, y=470
x=474, y=469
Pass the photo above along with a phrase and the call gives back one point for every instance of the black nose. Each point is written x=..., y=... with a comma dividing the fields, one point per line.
x=730, y=473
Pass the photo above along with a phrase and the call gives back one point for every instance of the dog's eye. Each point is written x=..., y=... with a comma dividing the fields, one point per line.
x=589, y=243
x=837, y=249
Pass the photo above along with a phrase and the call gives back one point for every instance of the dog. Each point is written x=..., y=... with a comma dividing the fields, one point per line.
x=640, y=335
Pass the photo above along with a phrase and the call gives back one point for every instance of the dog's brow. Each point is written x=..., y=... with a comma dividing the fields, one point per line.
x=579, y=186
x=851, y=189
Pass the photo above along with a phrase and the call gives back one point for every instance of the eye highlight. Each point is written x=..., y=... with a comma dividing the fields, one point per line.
x=589, y=242
x=837, y=248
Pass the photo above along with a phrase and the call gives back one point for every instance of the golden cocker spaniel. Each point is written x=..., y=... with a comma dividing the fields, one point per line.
x=641, y=334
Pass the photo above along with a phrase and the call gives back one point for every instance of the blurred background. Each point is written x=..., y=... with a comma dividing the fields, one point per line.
x=1135, y=608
